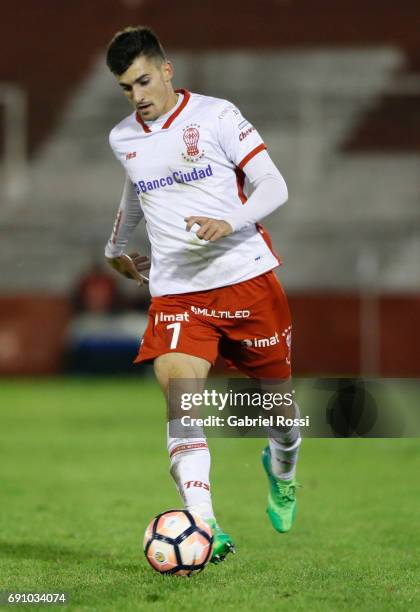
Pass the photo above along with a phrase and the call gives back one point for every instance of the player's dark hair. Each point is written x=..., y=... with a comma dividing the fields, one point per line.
x=128, y=44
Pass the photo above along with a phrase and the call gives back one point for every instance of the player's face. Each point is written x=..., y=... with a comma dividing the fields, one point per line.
x=147, y=86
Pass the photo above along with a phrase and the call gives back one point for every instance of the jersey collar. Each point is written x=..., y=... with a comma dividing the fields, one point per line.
x=172, y=117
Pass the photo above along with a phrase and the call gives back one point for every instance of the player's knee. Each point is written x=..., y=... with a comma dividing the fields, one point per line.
x=179, y=366
x=169, y=366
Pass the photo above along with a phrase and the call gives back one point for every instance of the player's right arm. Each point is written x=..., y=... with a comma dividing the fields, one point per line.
x=128, y=217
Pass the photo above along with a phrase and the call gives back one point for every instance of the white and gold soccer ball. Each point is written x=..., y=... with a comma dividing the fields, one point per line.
x=178, y=542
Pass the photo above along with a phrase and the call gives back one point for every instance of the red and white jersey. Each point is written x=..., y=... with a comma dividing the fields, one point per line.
x=190, y=162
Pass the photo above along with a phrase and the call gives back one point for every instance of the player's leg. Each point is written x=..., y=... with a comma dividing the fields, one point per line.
x=284, y=450
x=281, y=456
x=260, y=346
x=187, y=445
x=279, y=460
x=181, y=349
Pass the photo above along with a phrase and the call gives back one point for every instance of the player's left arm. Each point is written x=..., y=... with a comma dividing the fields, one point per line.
x=244, y=147
x=270, y=192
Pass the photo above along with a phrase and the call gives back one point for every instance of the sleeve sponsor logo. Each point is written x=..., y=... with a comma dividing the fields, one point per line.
x=246, y=133
x=131, y=155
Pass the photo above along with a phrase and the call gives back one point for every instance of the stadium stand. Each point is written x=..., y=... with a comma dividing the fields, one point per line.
x=336, y=102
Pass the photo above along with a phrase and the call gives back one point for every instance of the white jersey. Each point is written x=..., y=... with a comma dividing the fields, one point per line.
x=190, y=162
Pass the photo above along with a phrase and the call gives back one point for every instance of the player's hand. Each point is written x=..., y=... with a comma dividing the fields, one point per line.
x=131, y=266
x=210, y=229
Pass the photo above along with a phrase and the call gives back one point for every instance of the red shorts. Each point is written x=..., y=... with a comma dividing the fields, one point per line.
x=248, y=324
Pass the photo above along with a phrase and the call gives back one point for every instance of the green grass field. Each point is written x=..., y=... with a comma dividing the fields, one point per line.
x=83, y=468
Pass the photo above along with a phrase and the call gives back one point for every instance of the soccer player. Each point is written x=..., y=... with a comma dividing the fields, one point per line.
x=213, y=288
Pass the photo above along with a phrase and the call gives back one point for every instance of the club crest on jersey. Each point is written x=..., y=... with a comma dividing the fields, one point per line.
x=191, y=136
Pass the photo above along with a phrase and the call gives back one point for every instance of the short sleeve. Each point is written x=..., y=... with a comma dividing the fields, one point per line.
x=237, y=136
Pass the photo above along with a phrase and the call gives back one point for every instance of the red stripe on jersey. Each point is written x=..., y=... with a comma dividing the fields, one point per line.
x=267, y=239
x=142, y=123
x=116, y=227
x=180, y=108
x=240, y=180
x=186, y=447
x=250, y=155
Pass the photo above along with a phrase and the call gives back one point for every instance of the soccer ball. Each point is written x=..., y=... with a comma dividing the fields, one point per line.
x=178, y=542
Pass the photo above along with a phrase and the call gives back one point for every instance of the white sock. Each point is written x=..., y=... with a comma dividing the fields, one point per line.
x=284, y=448
x=190, y=468
x=284, y=457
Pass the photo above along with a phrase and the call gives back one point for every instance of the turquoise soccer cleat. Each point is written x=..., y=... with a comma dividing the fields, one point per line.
x=281, y=497
x=222, y=542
